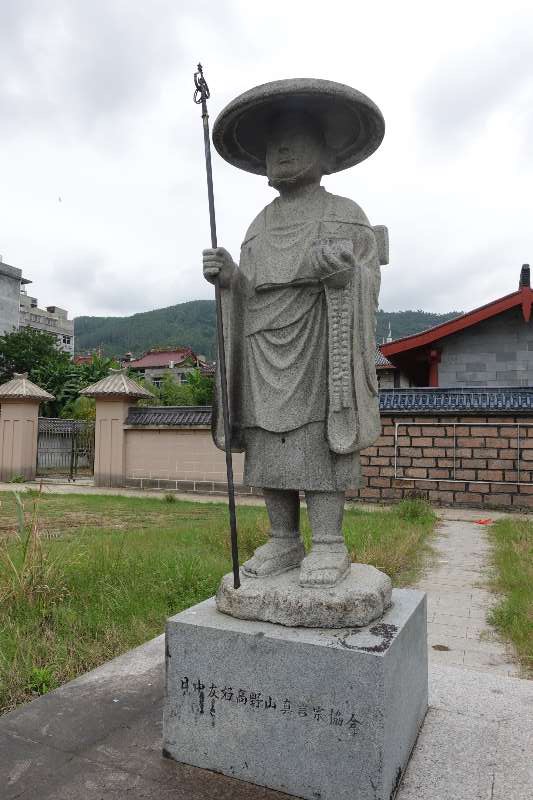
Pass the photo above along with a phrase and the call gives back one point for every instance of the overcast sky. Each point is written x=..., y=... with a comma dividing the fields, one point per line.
x=102, y=181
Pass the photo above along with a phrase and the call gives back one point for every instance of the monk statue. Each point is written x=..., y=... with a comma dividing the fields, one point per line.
x=299, y=316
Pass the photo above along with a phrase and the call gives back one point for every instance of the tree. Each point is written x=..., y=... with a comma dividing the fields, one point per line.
x=61, y=379
x=80, y=408
x=167, y=393
x=198, y=391
x=37, y=353
x=27, y=349
x=201, y=387
x=97, y=368
x=172, y=393
x=65, y=381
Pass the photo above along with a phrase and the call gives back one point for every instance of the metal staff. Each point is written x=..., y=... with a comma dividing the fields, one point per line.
x=201, y=95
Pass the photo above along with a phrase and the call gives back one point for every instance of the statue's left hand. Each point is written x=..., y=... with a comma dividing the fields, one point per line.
x=333, y=261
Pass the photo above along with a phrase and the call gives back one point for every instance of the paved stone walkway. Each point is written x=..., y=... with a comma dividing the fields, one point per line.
x=458, y=632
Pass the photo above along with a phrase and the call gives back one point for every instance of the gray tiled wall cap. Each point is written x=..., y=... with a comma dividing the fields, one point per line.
x=352, y=124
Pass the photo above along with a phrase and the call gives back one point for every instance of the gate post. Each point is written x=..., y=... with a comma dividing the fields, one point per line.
x=114, y=395
x=19, y=426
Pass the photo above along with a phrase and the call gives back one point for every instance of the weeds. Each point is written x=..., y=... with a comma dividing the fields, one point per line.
x=29, y=575
x=41, y=680
x=84, y=578
x=31, y=492
x=415, y=510
x=513, y=577
x=395, y=540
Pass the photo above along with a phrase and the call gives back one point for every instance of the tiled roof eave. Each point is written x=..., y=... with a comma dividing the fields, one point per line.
x=394, y=402
x=169, y=416
x=465, y=401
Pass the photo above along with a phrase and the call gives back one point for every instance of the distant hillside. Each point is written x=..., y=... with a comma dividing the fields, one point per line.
x=405, y=323
x=193, y=324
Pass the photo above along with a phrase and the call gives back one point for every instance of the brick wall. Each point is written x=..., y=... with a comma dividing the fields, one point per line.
x=415, y=455
x=490, y=459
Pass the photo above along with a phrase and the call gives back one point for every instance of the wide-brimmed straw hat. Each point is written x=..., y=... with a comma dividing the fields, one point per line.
x=352, y=125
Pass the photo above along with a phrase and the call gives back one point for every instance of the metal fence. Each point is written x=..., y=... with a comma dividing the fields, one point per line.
x=458, y=458
x=65, y=448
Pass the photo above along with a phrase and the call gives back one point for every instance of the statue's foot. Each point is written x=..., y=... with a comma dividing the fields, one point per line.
x=276, y=556
x=325, y=566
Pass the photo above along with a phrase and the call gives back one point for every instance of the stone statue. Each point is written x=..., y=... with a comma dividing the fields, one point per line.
x=299, y=316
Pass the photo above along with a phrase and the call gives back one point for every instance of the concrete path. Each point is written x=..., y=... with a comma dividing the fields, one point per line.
x=99, y=738
x=88, y=487
x=458, y=632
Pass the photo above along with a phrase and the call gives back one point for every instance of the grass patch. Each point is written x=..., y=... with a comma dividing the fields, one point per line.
x=84, y=578
x=512, y=559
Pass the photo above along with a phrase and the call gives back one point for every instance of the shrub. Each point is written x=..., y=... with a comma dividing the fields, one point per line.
x=41, y=681
x=17, y=478
x=415, y=510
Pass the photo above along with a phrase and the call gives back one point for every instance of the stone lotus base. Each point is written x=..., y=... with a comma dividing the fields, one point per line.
x=362, y=597
x=319, y=714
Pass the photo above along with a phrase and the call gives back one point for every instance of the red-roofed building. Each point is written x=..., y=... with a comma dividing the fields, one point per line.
x=86, y=359
x=389, y=376
x=491, y=346
x=179, y=362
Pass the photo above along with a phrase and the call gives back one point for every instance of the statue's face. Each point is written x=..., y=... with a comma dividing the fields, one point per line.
x=294, y=151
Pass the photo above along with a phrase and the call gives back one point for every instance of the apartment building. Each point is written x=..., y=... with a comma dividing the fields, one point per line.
x=11, y=285
x=51, y=319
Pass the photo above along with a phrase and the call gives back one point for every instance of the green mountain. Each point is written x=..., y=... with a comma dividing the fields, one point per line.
x=186, y=324
x=193, y=324
x=405, y=323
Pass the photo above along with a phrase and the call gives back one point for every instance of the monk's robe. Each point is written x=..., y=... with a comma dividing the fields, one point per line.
x=301, y=354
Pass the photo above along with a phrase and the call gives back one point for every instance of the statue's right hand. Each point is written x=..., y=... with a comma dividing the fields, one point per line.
x=217, y=262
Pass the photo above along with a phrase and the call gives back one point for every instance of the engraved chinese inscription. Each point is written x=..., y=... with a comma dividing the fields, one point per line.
x=207, y=694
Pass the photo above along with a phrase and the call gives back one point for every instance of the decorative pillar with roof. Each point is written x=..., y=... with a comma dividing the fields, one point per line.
x=114, y=395
x=19, y=426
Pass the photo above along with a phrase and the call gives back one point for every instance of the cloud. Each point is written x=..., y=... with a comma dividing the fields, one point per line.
x=466, y=89
x=75, y=65
x=95, y=282
x=96, y=107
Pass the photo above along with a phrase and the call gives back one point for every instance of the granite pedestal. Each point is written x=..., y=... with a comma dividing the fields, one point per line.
x=362, y=597
x=319, y=714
